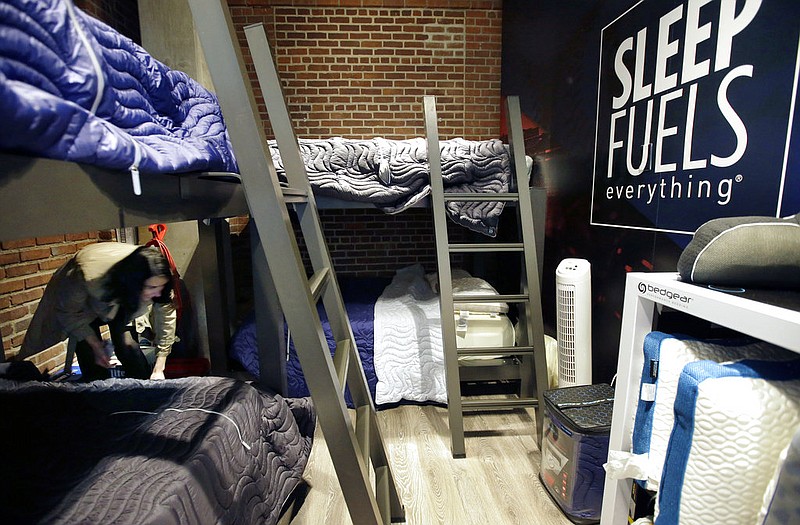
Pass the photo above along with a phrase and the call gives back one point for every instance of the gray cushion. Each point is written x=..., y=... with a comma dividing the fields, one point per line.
x=757, y=252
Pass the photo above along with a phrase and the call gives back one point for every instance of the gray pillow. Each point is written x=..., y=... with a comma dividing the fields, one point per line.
x=757, y=252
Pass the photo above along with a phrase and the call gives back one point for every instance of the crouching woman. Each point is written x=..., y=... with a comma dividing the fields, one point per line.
x=110, y=284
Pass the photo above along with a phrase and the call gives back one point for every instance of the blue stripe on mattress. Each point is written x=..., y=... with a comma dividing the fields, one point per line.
x=643, y=424
x=680, y=443
x=645, y=410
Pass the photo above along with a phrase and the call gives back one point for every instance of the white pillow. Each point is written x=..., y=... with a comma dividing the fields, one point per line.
x=466, y=284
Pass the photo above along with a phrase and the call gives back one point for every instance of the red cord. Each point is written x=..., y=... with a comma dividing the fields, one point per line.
x=158, y=231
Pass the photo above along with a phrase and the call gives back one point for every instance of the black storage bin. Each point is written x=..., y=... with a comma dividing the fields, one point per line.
x=577, y=423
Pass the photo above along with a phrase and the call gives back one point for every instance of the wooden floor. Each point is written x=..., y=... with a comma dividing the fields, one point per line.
x=496, y=483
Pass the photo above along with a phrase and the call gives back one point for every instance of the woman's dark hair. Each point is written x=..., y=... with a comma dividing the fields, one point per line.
x=126, y=279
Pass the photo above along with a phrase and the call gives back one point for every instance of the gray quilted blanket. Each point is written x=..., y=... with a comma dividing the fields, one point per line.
x=123, y=451
x=394, y=174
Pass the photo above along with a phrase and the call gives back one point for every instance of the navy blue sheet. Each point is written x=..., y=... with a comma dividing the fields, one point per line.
x=360, y=295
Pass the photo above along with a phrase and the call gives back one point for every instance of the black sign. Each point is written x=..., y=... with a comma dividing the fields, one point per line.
x=695, y=107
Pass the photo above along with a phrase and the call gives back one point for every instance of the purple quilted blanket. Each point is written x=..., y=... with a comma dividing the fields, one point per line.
x=72, y=88
x=184, y=451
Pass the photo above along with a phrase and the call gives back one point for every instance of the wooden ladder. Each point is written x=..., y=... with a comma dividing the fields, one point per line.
x=529, y=350
x=355, y=448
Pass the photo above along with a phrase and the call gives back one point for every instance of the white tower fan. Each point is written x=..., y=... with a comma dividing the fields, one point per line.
x=574, y=317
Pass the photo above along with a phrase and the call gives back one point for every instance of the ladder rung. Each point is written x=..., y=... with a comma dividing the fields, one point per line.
x=341, y=360
x=318, y=281
x=498, y=404
x=499, y=298
x=363, y=430
x=499, y=350
x=481, y=197
x=486, y=247
x=294, y=195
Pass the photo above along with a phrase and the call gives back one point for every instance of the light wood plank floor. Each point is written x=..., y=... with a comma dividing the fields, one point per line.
x=496, y=483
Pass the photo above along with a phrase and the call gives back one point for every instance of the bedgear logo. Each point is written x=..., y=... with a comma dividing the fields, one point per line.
x=666, y=293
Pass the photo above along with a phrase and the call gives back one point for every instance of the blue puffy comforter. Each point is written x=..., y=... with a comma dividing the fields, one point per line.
x=72, y=88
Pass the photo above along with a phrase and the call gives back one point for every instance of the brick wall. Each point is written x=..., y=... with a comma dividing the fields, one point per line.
x=359, y=68
x=368, y=242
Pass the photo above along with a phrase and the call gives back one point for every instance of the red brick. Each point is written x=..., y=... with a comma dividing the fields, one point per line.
x=22, y=269
x=27, y=296
x=22, y=325
x=63, y=249
x=53, y=239
x=8, y=285
x=9, y=258
x=23, y=243
x=70, y=237
x=17, y=340
x=13, y=314
x=35, y=254
x=52, y=263
x=38, y=280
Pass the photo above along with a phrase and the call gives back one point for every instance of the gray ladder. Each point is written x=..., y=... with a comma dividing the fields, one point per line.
x=355, y=448
x=529, y=351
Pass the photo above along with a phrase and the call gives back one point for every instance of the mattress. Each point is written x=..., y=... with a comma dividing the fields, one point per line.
x=665, y=356
x=409, y=356
x=394, y=174
x=124, y=451
x=404, y=330
x=732, y=421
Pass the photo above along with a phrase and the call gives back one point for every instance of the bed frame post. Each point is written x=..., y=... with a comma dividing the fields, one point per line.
x=269, y=321
x=531, y=313
x=213, y=250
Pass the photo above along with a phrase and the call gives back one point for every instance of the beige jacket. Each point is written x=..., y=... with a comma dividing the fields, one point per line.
x=73, y=300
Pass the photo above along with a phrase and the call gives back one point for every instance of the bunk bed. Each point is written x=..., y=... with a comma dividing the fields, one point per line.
x=393, y=175
x=191, y=450
x=100, y=132
x=397, y=326
x=56, y=187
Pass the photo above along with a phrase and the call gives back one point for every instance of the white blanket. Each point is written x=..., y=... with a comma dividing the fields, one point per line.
x=409, y=359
